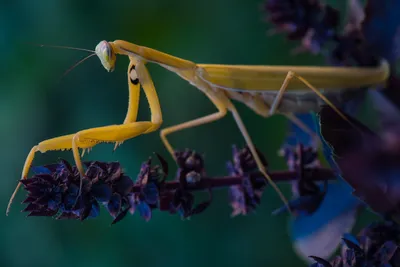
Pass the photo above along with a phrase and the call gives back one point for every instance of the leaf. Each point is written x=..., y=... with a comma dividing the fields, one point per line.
x=321, y=261
x=351, y=238
x=150, y=192
x=102, y=192
x=201, y=207
x=114, y=170
x=114, y=205
x=123, y=185
x=386, y=252
x=95, y=211
x=144, y=210
x=40, y=169
x=354, y=246
x=340, y=134
x=85, y=212
x=305, y=204
x=66, y=165
x=120, y=216
x=164, y=164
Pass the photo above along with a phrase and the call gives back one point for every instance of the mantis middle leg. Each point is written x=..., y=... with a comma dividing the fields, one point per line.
x=223, y=104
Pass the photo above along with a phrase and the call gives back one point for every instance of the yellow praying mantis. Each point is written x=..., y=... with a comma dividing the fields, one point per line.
x=261, y=88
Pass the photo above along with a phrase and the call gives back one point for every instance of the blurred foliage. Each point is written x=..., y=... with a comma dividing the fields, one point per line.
x=35, y=104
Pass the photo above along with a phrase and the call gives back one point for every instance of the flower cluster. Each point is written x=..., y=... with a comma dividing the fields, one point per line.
x=189, y=175
x=57, y=190
x=316, y=25
x=246, y=196
x=307, y=194
x=368, y=161
x=306, y=20
x=375, y=245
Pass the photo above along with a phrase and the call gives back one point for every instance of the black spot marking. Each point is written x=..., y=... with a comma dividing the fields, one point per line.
x=136, y=81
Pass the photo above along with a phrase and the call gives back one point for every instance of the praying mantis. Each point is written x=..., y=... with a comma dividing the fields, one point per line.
x=261, y=88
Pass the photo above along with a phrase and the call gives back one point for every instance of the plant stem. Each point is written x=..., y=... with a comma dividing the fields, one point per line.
x=318, y=174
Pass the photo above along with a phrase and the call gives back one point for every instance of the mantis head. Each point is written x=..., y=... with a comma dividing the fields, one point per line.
x=106, y=54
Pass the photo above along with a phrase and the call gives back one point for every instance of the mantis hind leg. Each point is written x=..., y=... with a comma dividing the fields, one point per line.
x=320, y=95
x=222, y=103
x=256, y=157
x=194, y=123
x=291, y=116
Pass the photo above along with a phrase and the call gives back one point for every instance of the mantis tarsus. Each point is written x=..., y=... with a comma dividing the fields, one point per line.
x=261, y=88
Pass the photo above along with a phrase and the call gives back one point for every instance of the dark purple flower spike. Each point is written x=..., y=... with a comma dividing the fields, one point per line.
x=191, y=167
x=189, y=175
x=308, y=195
x=246, y=196
x=351, y=46
x=368, y=35
x=309, y=21
x=148, y=186
x=53, y=190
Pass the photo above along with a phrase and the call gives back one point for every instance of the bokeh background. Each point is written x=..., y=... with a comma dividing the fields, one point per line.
x=35, y=104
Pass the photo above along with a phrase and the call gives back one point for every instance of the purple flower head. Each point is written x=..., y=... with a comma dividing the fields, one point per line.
x=150, y=181
x=245, y=197
x=308, y=195
x=190, y=172
x=191, y=167
x=243, y=161
x=54, y=190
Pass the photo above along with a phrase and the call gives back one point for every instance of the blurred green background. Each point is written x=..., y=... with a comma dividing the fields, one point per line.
x=35, y=104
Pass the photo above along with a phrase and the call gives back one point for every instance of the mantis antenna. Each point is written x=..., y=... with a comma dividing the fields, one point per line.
x=76, y=65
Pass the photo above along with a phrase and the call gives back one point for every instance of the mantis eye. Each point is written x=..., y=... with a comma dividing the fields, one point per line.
x=106, y=55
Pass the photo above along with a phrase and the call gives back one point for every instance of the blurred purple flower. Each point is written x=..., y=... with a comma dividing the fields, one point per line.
x=376, y=245
x=309, y=21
